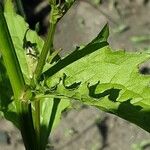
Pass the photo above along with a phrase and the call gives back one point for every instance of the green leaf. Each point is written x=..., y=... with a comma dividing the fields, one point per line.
x=9, y=57
x=7, y=106
x=49, y=105
x=97, y=43
x=18, y=28
x=9, y=7
x=11, y=79
x=51, y=109
x=109, y=80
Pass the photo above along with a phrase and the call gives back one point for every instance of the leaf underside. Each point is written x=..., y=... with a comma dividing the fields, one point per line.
x=109, y=80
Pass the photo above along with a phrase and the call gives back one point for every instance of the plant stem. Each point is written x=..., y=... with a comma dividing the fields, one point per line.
x=10, y=58
x=37, y=120
x=48, y=47
x=18, y=84
x=27, y=128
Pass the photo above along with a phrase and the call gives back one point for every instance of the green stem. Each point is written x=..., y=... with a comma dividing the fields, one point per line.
x=37, y=120
x=27, y=128
x=10, y=58
x=18, y=84
x=48, y=46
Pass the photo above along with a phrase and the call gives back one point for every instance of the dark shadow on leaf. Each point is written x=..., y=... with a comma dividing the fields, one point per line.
x=112, y=93
x=46, y=130
x=135, y=114
x=51, y=89
x=130, y=106
x=72, y=86
x=74, y=56
x=5, y=87
x=26, y=126
x=30, y=47
x=6, y=94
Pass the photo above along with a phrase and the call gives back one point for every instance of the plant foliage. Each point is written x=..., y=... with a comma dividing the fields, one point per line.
x=94, y=75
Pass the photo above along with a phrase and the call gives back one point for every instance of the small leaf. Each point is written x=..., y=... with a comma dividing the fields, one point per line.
x=51, y=110
x=18, y=29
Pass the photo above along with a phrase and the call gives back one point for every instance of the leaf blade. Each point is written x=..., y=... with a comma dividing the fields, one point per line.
x=110, y=81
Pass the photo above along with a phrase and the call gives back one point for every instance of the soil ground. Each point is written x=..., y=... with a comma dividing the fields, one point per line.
x=87, y=128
